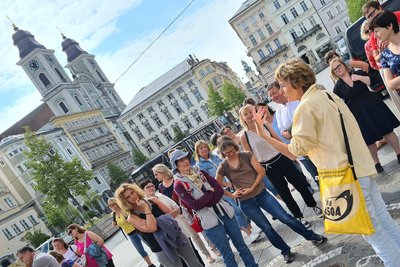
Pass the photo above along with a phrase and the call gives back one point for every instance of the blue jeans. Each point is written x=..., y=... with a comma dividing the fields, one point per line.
x=386, y=239
x=269, y=186
x=218, y=235
x=252, y=208
x=136, y=240
x=310, y=167
x=241, y=219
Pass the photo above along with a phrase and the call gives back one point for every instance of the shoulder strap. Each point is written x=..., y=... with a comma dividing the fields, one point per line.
x=84, y=243
x=114, y=217
x=346, y=139
x=247, y=140
x=161, y=188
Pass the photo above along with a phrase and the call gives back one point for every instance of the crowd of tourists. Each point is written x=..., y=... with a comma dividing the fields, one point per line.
x=232, y=186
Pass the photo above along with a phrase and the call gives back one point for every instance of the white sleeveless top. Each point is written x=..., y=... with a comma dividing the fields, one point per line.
x=261, y=149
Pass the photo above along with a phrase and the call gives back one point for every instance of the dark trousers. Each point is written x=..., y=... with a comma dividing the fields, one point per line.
x=285, y=168
x=110, y=263
x=310, y=167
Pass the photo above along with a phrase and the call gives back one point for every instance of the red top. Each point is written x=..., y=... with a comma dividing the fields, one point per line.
x=370, y=57
x=375, y=43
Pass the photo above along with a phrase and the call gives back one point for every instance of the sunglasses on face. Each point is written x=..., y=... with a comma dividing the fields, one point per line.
x=337, y=68
x=69, y=232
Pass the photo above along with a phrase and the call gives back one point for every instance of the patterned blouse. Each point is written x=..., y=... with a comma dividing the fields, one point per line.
x=391, y=61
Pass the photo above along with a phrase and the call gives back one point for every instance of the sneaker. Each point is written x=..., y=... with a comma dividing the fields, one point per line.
x=253, y=237
x=319, y=239
x=378, y=167
x=288, y=257
x=318, y=212
x=304, y=222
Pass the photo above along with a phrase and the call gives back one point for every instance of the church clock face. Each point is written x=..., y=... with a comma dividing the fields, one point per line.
x=33, y=65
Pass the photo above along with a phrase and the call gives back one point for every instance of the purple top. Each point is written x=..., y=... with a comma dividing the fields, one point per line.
x=209, y=198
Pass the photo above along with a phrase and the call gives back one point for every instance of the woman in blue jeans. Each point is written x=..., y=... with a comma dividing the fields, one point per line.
x=246, y=174
x=199, y=192
x=209, y=162
x=120, y=220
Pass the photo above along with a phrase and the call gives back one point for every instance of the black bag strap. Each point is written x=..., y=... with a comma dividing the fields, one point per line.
x=346, y=139
x=247, y=140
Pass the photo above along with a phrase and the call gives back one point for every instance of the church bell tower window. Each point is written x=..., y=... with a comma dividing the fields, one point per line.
x=44, y=80
x=63, y=107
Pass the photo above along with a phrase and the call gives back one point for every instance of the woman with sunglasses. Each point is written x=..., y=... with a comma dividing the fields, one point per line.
x=83, y=239
x=120, y=219
x=373, y=116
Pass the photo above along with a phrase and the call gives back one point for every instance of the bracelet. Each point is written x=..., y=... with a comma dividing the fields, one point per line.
x=148, y=213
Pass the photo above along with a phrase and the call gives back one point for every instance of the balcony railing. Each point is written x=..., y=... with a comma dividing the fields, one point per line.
x=273, y=54
x=304, y=36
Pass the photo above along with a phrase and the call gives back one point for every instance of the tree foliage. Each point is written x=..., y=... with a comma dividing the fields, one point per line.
x=232, y=95
x=216, y=104
x=355, y=9
x=117, y=174
x=61, y=216
x=179, y=135
x=57, y=179
x=138, y=157
x=35, y=238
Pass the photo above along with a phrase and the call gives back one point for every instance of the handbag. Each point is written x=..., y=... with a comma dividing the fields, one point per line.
x=190, y=215
x=342, y=199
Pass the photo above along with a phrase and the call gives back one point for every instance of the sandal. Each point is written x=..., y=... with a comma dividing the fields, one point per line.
x=210, y=259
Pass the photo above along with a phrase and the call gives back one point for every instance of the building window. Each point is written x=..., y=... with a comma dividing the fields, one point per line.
x=131, y=123
x=78, y=100
x=205, y=110
x=269, y=67
x=277, y=4
x=338, y=30
x=304, y=6
x=312, y=21
x=293, y=34
x=347, y=23
x=158, y=142
x=253, y=20
x=160, y=103
x=96, y=180
x=167, y=114
x=158, y=121
x=148, y=127
x=261, y=14
x=203, y=73
x=167, y=136
x=261, y=53
x=150, y=109
x=277, y=43
x=285, y=56
x=69, y=151
x=45, y=81
x=148, y=147
x=322, y=2
x=140, y=116
x=269, y=28
x=244, y=26
x=190, y=83
x=20, y=169
x=302, y=27
x=277, y=62
x=100, y=76
x=217, y=81
x=339, y=9
x=197, y=117
x=16, y=228
x=170, y=96
x=32, y=220
x=329, y=14
x=294, y=12
x=197, y=95
x=24, y=224
x=285, y=19
x=138, y=133
x=7, y=233
x=2, y=164
x=63, y=107
x=179, y=90
x=269, y=48
x=252, y=39
x=187, y=123
x=60, y=75
x=177, y=108
x=187, y=101
x=9, y=202
x=261, y=34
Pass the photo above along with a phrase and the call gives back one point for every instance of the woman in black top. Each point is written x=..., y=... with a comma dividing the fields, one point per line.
x=143, y=214
x=373, y=116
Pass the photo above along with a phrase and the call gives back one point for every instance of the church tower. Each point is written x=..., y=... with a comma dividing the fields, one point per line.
x=96, y=88
x=251, y=75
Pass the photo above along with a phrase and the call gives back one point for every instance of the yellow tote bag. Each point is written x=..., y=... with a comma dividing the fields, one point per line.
x=343, y=203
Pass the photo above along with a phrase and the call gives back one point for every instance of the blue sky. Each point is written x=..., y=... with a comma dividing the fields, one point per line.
x=116, y=32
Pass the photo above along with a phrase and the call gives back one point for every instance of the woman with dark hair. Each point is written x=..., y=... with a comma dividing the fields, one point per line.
x=373, y=116
x=62, y=261
x=201, y=193
x=160, y=230
x=246, y=174
x=83, y=239
x=68, y=252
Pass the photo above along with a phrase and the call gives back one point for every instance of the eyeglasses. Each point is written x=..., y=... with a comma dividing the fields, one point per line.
x=337, y=68
x=229, y=152
x=149, y=186
x=371, y=15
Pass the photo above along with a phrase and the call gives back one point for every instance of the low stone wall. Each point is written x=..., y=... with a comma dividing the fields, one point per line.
x=104, y=227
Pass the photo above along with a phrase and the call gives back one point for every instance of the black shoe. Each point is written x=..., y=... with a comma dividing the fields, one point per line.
x=320, y=239
x=379, y=168
x=288, y=257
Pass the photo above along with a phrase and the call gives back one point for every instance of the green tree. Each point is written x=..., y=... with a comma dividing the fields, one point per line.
x=35, y=238
x=216, y=104
x=57, y=179
x=61, y=216
x=117, y=174
x=178, y=134
x=232, y=95
x=138, y=157
x=355, y=9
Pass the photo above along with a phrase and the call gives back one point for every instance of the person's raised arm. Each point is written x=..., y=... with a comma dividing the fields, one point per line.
x=148, y=225
x=364, y=79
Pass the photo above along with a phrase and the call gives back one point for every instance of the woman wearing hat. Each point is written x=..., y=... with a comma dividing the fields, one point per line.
x=120, y=219
x=201, y=193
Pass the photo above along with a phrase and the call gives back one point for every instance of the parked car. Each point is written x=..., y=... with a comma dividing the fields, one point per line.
x=355, y=45
x=344, y=52
x=47, y=246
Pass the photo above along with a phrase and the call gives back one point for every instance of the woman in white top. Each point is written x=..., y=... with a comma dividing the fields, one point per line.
x=69, y=252
x=277, y=166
